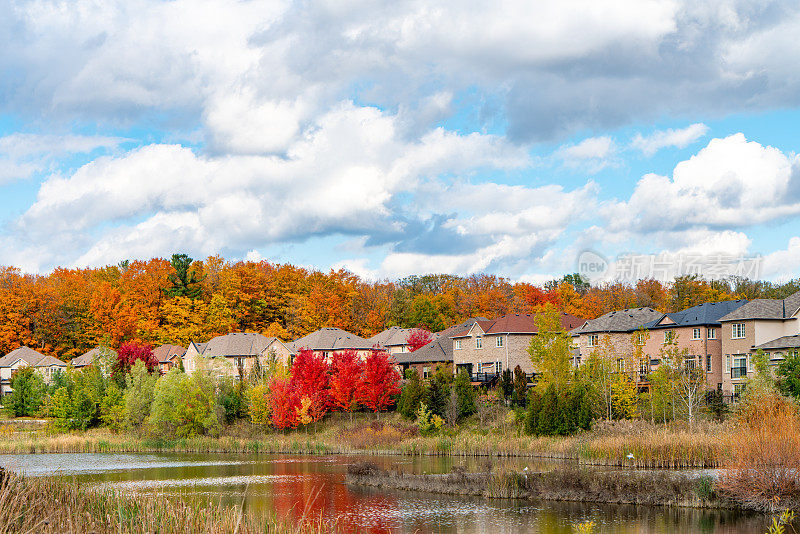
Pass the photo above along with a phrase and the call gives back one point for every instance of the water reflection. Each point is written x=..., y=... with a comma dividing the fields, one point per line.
x=303, y=486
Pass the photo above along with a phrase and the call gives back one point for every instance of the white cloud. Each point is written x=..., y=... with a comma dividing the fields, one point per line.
x=593, y=153
x=669, y=138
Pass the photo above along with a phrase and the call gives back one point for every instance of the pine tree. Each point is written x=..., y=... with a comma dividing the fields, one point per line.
x=465, y=394
x=411, y=396
x=185, y=283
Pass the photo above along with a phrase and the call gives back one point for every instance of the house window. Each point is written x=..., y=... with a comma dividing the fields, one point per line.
x=621, y=365
x=712, y=333
x=499, y=341
x=738, y=389
x=690, y=363
x=727, y=363
x=696, y=333
x=479, y=342
x=498, y=367
x=458, y=344
x=593, y=340
x=669, y=337
x=737, y=331
x=739, y=369
x=640, y=339
x=425, y=371
x=708, y=363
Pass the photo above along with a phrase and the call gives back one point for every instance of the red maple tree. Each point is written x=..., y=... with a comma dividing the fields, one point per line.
x=346, y=371
x=418, y=338
x=283, y=403
x=380, y=381
x=311, y=378
x=129, y=352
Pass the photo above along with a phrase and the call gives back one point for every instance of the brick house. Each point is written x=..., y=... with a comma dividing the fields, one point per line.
x=168, y=356
x=698, y=331
x=234, y=354
x=486, y=348
x=615, y=327
x=438, y=352
x=751, y=326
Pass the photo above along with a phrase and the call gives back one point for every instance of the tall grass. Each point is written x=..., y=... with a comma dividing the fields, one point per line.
x=54, y=505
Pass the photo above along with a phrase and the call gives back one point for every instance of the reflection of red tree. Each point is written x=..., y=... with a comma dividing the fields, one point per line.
x=309, y=491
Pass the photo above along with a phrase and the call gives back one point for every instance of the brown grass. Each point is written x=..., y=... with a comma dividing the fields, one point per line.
x=764, y=467
x=52, y=505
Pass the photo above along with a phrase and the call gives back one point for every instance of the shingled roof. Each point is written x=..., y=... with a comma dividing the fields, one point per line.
x=391, y=337
x=440, y=349
x=785, y=342
x=706, y=314
x=31, y=357
x=769, y=309
x=330, y=338
x=236, y=344
x=517, y=323
x=165, y=353
x=89, y=357
x=626, y=320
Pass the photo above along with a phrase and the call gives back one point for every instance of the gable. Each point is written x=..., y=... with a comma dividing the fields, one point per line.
x=476, y=330
x=665, y=321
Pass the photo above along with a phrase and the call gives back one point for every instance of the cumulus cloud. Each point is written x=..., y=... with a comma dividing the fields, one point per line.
x=593, y=153
x=669, y=138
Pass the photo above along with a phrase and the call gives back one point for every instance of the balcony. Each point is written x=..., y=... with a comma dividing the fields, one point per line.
x=738, y=372
x=484, y=378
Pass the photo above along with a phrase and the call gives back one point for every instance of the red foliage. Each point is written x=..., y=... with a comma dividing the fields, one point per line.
x=346, y=371
x=129, y=352
x=283, y=403
x=311, y=378
x=418, y=338
x=380, y=381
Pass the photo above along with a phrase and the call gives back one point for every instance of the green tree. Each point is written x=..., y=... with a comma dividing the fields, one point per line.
x=550, y=350
x=411, y=395
x=232, y=397
x=258, y=404
x=520, y=393
x=185, y=282
x=438, y=391
x=465, y=394
x=184, y=406
x=506, y=385
x=112, y=408
x=139, y=394
x=789, y=375
x=27, y=393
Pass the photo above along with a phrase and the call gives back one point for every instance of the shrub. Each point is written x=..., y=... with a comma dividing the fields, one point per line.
x=139, y=394
x=232, y=397
x=465, y=394
x=411, y=395
x=184, y=406
x=112, y=408
x=259, y=408
x=428, y=422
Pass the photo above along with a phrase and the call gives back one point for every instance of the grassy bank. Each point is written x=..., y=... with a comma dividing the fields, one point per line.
x=651, y=446
x=654, y=488
x=54, y=505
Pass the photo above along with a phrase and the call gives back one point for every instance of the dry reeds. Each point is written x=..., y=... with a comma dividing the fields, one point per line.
x=52, y=505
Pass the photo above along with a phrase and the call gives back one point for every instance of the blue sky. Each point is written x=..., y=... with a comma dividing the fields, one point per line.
x=400, y=138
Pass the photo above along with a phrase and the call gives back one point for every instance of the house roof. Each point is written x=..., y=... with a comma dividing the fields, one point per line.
x=391, y=337
x=770, y=309
x=330, y=338
x=31, y=357
x=785, y=342
x=90, y=356
x=517, y=323
x=706, y=314
x=438, y=350
x=236, y=344
x=626, y=320
x=165, y=353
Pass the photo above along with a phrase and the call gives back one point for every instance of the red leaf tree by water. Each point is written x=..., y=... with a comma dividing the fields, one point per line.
x=311, y=378
x=283, y=403
x=418, y=338
x=346, y=371
x=380, y=381
x=129, y=353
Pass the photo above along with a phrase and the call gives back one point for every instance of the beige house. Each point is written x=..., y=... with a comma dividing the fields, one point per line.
x=235, y=354
x=485, y=348
x=751, y=326
x=393, y=339
x=168, y=356
x=695, y=330
x=93, y=356
x=47, y=366
x=613, y=329
x=329, y=340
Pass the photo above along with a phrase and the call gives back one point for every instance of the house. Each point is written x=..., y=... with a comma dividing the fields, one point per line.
x=235, y=354
x=47, y=366
x=695, y=330
x=93, y=356
x=168, y=356
x=777, y=350
x=614, y=328
x=751, y=326
x=326, y=341
x=393, y=339
x=485, y=348
x=438, y=352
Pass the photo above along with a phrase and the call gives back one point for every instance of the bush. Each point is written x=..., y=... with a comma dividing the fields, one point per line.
x=75, y=404
x=139, y=394
x=232, y=397
x=184, y=406
x=259, y=408
x=28, y=393
x=112, y=408
x=411, y=395
x=428, y=422
x=552, y=414
x=465, y=394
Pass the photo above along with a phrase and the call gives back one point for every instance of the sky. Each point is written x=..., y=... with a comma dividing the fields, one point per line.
x=402, y=137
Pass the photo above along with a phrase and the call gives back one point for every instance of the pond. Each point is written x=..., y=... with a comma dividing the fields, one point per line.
x=297, y=486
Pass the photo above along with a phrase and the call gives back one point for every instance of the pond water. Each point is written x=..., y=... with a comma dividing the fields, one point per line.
x=297, y=486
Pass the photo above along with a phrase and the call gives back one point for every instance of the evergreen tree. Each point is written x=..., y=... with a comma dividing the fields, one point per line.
x=465, y=394
x=185, y=283
x=27, y=392
x=411, y=396
x=788, y=375
x=438, y=391
x=520, y=391
x=506, y=384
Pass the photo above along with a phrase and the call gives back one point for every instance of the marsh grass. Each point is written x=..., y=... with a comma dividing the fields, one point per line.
x=59, y=505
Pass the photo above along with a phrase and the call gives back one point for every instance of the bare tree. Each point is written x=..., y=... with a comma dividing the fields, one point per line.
x=452, y=409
